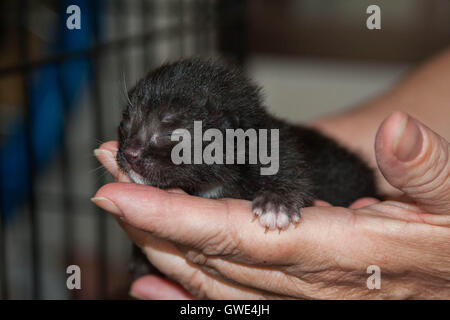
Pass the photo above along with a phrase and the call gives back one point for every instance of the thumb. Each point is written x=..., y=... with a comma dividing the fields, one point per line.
x=416, y=160
x=152, y=287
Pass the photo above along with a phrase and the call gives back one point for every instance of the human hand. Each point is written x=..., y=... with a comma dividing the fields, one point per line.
x=213, y=250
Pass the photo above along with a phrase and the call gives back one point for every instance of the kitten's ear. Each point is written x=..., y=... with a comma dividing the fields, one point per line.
x=228, y=119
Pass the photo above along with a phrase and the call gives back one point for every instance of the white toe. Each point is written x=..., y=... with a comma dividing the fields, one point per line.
x=257, y=211
x=269, y=220
x=295, y=218
x=282, y=220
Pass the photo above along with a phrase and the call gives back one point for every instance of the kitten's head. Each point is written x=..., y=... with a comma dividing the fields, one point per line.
x=172, y=97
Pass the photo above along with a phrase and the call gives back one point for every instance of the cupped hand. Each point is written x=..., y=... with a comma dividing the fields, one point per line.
x=214, y=248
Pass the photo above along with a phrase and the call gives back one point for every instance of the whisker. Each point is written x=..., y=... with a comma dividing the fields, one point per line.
x=92, y=155
x=101, y=176
x=95, y=170
x=126, y=89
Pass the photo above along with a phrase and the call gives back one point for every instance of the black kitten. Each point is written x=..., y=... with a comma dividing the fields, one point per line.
x=311, y=166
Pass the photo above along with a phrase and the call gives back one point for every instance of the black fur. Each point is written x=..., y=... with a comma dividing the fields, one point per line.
x=312, y=166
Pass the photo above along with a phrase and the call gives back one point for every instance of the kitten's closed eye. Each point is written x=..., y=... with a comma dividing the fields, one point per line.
x=124, y=127
x=125, y=118
x=168, y=119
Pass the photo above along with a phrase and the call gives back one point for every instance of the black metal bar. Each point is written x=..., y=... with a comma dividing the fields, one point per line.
x=199, y=35
x=94, y=50
x=172, y=31
x=4, y=294
x=232, y=36
x=120, y=21
x=3, y=262
x=98, y=117
x=120, y=16
x=147, y=10
x=67, y=192
x=66, y=172
x=203, y=12
x=210, y=26
x=181, y=37
x=32, y=204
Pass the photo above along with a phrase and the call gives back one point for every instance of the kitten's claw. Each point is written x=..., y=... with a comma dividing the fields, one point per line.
x=274, y=220
x=273, y=213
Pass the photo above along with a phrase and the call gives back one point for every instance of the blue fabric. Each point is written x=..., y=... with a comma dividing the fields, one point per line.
x=47, y=108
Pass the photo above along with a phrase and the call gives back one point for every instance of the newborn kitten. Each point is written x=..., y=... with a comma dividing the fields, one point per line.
x=311, y=166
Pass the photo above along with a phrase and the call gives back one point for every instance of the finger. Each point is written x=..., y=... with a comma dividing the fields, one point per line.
x=106, y=154
x=287, y=282
x=406, y=212
x=223, y=227
x=111, y=146
x=415, y=160
x=107, y=159
x=266, y=279
x=215, y=227
x=171, y=262
x=201, y=223
x=321, y=203
x=360, y=203
x=175, y=190
x=152, y=287
x=363, y=202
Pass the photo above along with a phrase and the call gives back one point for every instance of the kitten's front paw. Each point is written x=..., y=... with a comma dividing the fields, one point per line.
x=276, y=211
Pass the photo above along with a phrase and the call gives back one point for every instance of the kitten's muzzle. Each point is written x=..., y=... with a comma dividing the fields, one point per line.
x=131, y=155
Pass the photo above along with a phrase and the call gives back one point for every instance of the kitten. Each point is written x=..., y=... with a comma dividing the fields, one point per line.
x=311, y=165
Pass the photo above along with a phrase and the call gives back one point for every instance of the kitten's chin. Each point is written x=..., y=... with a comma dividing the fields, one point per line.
x=136, y=177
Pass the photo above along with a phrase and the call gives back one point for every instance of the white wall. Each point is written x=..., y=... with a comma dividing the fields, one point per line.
x=303, y=89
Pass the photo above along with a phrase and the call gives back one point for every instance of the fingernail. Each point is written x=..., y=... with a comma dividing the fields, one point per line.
x=408, y=142
x=107, y=205
x=99, y=152
x=135, y=296
x=174, y=190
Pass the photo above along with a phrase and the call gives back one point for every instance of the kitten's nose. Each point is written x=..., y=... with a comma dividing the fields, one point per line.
x=132, y=155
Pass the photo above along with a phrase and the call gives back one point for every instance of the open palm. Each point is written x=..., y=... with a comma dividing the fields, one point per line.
x=214, y=248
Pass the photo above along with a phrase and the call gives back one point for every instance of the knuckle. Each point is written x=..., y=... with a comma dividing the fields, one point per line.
x=196, y=257
x=217, y=244
x=203, y=261
x=199, y=285
x=434, y=177
x=226, y=241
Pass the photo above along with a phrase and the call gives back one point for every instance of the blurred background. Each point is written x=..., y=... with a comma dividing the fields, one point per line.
x=62, y=90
